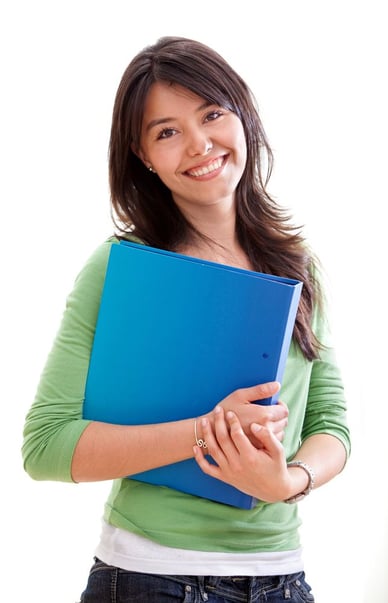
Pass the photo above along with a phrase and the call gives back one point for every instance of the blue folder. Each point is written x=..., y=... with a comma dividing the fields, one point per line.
x=174, y=336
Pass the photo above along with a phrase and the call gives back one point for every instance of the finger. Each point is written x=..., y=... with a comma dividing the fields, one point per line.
x=220, y=425
x=273, y=414
x=221, y=428
x=267, y=439
x=276, y=426
x=261, y=391
x=280, y=435
x=203, y=463
x=282, y=405
x=208, y=435
x=237, y=434
x=219, y=444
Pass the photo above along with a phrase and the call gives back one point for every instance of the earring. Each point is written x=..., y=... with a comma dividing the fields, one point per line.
x=151, y=169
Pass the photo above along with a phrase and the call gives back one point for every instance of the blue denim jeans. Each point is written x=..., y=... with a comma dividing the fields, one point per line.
x=109, y=584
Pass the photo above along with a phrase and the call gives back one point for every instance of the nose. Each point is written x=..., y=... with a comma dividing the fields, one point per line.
x=198, y=143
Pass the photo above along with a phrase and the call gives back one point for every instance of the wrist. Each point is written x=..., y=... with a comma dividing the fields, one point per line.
x=198, y=435
x=302, y=481
x=198, y=428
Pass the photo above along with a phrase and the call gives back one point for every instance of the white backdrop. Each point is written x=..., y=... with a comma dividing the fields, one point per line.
x=318, y=70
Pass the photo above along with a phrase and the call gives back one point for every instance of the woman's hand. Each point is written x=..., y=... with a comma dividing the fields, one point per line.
x=274, y=417
x=258, y=471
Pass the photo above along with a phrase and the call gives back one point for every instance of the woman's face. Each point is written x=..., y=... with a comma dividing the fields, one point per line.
x=198, y=150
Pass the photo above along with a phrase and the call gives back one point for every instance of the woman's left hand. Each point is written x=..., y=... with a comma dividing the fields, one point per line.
x=260, y=472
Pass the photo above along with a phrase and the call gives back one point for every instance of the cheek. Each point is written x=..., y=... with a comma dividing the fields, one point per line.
x=242, y=149
x=238, y=136
x=166, y=159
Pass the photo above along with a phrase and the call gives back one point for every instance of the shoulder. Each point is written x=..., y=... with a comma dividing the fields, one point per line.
x=84, y=298
x=98, y=259
x=90, y=280
x=93, y=271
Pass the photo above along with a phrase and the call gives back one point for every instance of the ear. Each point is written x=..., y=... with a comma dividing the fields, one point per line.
x=139, y=153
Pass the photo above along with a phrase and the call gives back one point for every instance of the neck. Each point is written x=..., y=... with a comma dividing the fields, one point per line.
x=215, y=222
x=219, y=243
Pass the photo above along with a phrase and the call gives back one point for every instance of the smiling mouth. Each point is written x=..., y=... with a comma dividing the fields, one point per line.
x=207, y=169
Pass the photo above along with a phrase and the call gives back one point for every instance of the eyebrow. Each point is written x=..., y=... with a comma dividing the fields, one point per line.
x=165, y=120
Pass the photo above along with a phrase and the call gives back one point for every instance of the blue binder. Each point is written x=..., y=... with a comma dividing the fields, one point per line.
x=174, y=336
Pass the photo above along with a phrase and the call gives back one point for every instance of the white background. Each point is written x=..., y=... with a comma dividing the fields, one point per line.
x=318, y=70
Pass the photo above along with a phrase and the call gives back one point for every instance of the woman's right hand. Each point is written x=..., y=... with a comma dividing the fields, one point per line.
x=242, y=403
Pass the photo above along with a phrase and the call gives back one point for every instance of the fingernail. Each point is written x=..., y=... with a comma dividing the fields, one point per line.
x=255, y=427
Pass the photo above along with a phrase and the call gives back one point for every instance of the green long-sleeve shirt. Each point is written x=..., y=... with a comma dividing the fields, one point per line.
x=313, y=392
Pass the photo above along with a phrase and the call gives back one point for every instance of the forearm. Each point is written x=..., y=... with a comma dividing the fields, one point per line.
x=262, y=471
x=325, y=454
x=106, y=451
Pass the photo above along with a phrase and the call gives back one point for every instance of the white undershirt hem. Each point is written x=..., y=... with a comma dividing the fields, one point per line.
x=134, y=553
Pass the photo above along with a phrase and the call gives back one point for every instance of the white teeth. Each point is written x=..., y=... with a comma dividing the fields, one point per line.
x=206, y=169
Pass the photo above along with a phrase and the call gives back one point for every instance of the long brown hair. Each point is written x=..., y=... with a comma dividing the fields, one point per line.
x=143, y=205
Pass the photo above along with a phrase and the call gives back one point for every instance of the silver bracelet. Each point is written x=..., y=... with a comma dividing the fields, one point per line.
x=310, y=485
x=200, y=442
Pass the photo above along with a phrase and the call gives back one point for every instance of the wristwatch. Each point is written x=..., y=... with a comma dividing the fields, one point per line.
x=298, y=497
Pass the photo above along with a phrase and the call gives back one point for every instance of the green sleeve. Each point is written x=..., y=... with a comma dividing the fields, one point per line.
x=326, y=403
x=54, y=423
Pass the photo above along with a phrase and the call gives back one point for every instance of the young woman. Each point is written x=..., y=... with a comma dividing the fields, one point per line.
x=188, y=158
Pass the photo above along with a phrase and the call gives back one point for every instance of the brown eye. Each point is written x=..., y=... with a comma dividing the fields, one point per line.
x=166, y=133
x=213, y=115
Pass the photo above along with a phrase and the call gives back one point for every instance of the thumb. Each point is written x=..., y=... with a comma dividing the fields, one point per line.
x=262, y=391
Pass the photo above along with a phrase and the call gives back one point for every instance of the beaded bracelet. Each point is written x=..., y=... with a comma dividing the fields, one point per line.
x=310, y=485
